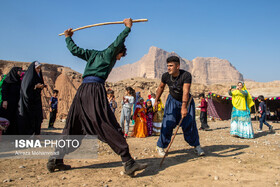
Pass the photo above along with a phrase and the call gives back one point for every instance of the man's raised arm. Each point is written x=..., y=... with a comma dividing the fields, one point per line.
x=74, y=49
x=119, y=42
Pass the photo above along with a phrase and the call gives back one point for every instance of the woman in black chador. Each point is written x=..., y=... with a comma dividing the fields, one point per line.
x=30, y=103
x=10, y=97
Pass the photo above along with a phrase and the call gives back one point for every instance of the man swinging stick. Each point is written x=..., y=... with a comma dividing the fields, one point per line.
x=90, y=112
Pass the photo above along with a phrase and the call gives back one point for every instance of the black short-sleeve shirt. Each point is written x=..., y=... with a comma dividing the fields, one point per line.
x=175, y=84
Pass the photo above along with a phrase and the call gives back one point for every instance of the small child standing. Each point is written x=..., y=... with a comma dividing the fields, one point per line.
x=262, y=115
x=53, y=109
x=158, y=117
x=127, y=103
x=140, y=127
x=203, y=112
x=111, y=100
x=149, y=116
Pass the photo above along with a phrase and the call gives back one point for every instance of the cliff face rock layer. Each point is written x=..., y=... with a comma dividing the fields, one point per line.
x=67, y=82
x=204, y=70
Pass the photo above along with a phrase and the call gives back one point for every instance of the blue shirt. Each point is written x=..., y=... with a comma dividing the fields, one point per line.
x=54, y=102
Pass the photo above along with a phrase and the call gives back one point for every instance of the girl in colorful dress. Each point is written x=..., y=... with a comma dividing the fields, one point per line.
x=242, y=102
x=140, y=128
x=149, y=114
x=158, y=117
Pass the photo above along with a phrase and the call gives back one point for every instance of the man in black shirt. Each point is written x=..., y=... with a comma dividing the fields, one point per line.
x=179, y=83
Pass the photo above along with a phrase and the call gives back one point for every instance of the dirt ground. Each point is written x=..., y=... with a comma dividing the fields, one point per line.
x=229, y=161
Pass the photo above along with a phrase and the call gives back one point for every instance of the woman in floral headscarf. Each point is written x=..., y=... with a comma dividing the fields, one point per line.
x=242, y=102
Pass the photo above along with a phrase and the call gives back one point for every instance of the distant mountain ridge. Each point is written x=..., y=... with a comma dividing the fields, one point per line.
x=205, y=70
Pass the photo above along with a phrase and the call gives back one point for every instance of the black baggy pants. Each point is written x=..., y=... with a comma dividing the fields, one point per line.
x=90, y=114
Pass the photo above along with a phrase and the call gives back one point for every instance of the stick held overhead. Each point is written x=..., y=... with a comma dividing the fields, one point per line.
x=106, y=23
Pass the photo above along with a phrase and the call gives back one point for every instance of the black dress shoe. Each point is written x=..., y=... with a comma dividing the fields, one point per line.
x=131, y=166
x=54, y=164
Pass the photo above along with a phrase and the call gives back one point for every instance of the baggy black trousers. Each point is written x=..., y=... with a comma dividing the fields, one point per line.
x=90, y=114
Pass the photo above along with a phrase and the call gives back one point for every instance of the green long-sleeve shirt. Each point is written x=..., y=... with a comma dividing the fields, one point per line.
x=99, y=63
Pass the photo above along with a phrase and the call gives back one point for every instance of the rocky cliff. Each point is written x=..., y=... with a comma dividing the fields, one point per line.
x=208, y=70
x=67, y=82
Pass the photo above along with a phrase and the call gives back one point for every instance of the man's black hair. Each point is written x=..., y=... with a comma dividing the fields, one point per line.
x=55, y=91
x=201, y=95
x=261, y=97
x=173, y=59
x=123, y=50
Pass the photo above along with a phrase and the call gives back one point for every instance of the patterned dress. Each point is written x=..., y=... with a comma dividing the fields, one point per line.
x=241, y=124
x=157, y=119
x=140, y=128
x=150, y=115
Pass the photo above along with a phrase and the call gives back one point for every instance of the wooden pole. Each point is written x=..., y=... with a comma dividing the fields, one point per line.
x=106, y=23
x=177, y=128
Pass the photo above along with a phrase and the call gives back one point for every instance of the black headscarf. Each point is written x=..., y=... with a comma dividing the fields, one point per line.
x=13, y=76
x=30, y=79
x=28, y=95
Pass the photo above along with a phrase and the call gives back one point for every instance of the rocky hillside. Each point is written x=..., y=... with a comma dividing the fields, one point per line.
x=207, y=71
x=67, y=82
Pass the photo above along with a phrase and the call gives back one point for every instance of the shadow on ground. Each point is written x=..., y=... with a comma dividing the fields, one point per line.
x=181, y=156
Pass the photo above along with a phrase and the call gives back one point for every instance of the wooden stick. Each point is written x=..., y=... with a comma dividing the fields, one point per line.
x=177, y=128
x=106, y=23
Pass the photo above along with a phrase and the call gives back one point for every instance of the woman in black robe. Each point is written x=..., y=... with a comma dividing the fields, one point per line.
x=30, y=103
x=10, y=97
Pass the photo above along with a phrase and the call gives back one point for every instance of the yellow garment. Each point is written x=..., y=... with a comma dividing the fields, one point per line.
x=160, y=106
x=238, y=99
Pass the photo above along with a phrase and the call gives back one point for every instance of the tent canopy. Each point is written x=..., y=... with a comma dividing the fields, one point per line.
x=220, y=106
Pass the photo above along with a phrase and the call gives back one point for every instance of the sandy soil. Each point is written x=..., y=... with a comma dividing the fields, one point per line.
x=229, y=161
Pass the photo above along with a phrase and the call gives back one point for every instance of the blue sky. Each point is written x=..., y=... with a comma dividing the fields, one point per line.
x=245, y=32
